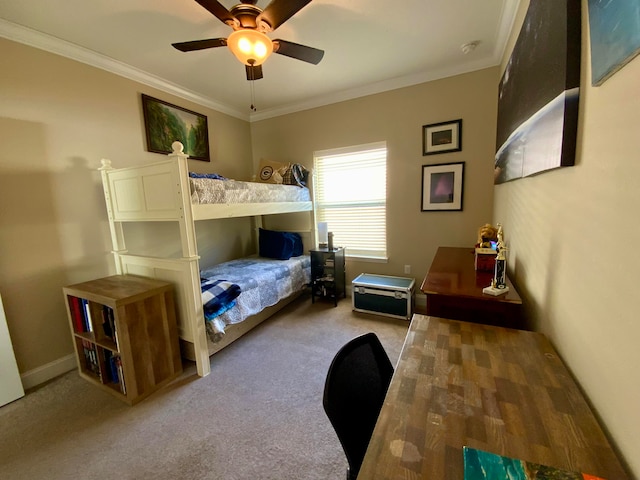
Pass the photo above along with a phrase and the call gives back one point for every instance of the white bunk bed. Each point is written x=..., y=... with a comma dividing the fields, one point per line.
x=161, y=192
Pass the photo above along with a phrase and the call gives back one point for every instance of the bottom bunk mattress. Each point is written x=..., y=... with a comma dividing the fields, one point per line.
x=260, y=282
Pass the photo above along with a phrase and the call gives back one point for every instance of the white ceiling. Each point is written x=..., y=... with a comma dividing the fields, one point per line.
x=370, y=46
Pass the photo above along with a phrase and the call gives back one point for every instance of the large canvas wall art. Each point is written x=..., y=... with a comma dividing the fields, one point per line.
x=538, y=93
x=615, y=36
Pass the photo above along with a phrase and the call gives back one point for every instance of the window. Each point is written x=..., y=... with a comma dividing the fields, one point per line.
x=350, y=193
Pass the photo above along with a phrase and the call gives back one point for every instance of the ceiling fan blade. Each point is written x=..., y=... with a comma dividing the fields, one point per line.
x=297, y=51
x=217, y=9
x=253, y=72
x=279, y=11
x=200, y=44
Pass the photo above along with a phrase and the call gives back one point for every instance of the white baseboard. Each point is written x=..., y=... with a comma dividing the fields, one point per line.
x=39, y=375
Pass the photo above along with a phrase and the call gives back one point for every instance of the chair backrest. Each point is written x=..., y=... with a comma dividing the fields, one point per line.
x=354, y=392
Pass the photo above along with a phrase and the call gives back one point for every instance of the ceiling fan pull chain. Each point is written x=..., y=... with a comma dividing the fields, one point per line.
x=253, y=97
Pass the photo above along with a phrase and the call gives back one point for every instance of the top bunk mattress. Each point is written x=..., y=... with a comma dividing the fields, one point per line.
x=214, y=191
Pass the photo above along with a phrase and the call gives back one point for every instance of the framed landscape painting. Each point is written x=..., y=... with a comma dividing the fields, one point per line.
x=165, y=123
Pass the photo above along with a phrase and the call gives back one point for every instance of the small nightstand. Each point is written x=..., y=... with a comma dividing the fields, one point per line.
x=327, y=274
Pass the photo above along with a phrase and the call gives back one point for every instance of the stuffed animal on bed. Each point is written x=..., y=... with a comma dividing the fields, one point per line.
x=487, y=234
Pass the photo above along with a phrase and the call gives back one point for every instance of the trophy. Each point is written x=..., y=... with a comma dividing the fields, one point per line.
x=499, y=282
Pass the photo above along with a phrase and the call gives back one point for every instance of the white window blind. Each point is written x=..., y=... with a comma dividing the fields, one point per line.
x=350, y=193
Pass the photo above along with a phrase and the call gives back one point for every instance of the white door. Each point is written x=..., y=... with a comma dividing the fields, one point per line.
x=10, y=383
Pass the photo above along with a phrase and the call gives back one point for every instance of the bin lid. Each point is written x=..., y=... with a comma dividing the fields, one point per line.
x=384, y=281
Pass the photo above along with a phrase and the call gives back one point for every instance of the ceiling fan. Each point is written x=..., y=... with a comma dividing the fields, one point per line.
x=248, y=41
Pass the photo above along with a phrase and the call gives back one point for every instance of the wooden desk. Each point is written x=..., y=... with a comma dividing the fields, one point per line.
x=454, y=290
x=500, y=390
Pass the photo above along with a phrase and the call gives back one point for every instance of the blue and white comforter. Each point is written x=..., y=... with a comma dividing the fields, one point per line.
x=262, y=281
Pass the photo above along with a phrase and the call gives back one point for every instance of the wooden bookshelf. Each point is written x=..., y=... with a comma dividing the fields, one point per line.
x=125, y=334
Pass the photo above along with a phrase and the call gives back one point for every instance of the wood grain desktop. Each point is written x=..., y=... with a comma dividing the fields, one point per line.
x=500, y=390
x=454, y=290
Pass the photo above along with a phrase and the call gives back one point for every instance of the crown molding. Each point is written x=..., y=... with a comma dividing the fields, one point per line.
x=507, y=19
x=374, y=88
x=42, y=41
x=57, y=46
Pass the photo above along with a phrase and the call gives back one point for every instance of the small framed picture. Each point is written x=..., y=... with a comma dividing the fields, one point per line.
x=442, y=186
x=442, y=137
x=164, y=123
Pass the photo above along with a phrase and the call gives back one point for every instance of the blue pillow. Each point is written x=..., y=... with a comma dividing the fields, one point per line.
x=279, y=245
x=297, y=244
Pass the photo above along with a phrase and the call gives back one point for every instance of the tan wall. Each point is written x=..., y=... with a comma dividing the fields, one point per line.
x=575, y=258
x=58, y=118
x=397, y=117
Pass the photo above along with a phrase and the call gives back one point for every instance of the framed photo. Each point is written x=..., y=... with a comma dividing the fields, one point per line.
x=442, y=137
x=165, y=123
x=442, y=186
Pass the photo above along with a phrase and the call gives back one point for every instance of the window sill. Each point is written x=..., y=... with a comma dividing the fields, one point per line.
x=363, y=258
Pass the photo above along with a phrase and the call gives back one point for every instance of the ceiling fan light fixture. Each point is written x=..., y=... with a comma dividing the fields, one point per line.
x=249, y=46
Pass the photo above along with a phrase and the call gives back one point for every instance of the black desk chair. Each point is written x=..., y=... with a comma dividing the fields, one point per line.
x=354, y=392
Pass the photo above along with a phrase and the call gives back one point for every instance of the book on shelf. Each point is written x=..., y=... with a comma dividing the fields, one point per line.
x=118, y=362
x=113, y=369
x=106, y=325
x=481, y=465
x=92, y=362
x=107, y=363
x=110, y=360
x=87, y=315
x=109, y=324
x=77, y=314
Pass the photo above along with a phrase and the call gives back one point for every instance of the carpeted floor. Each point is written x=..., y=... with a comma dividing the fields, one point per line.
x=257, y=416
